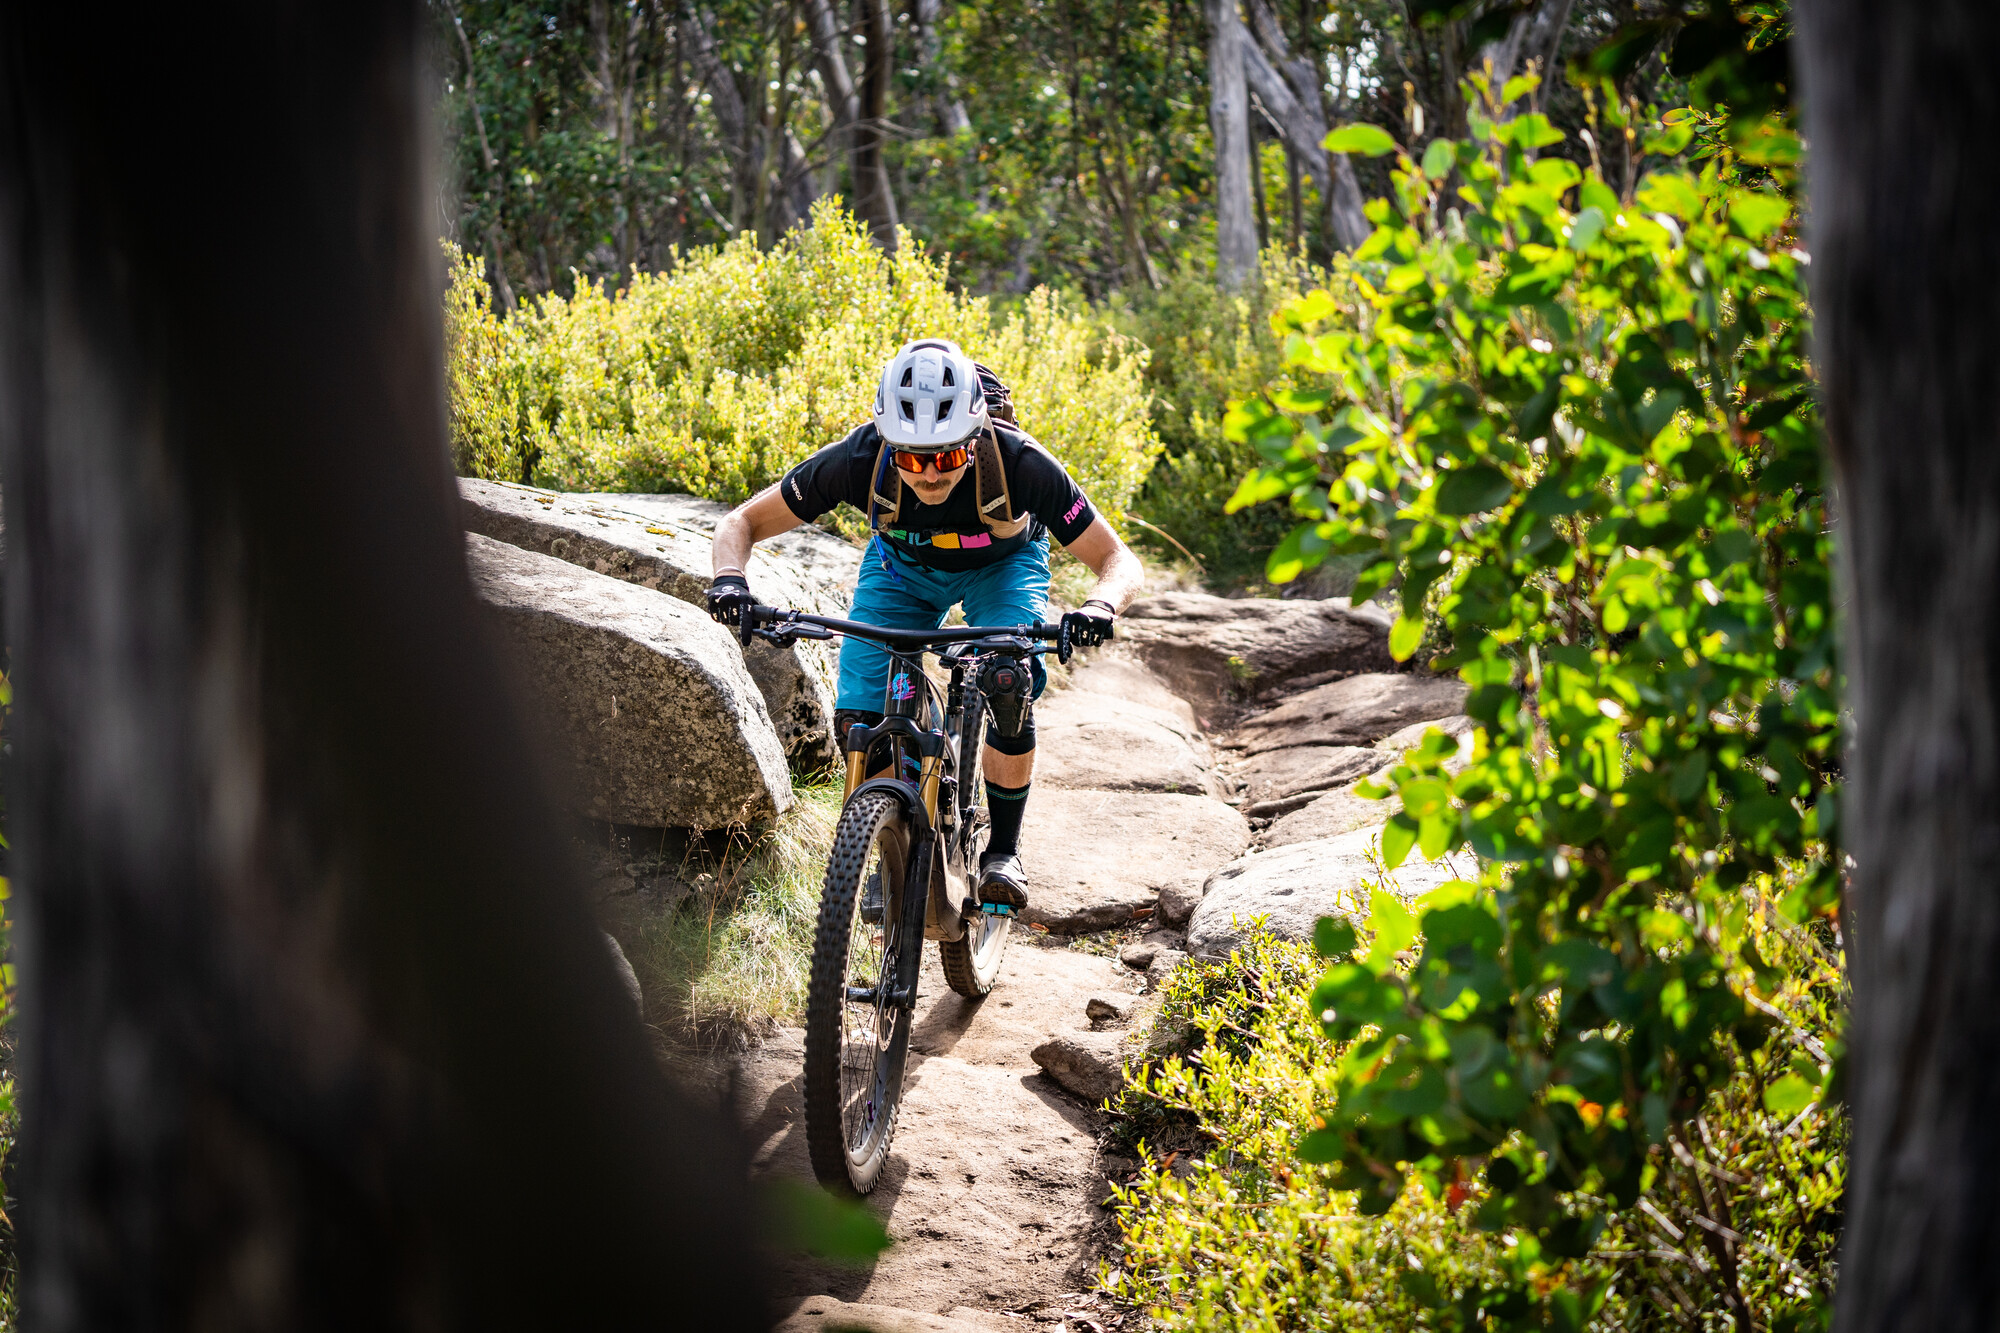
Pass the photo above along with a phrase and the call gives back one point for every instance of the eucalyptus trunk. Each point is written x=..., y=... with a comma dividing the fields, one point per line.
x=1903, y=115
x=317, y=1032
x=1229, y=125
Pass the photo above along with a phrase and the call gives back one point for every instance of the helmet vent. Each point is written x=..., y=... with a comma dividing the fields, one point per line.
x=948, y=381
x=907, y=371
x=944, y=408
x=909, y=410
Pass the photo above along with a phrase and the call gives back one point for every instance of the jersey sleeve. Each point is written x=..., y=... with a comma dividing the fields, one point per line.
x=825, y=480
x=1047, y=491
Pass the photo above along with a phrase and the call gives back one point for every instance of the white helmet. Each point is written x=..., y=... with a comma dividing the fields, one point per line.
x=929, y=398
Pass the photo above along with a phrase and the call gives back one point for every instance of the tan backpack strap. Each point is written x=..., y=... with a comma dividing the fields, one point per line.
x=883, y=508
x=989, y=475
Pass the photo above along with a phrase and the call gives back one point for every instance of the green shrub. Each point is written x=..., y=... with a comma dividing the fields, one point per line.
x=1239, y=1234
x=1578, y=426
x=715, y=376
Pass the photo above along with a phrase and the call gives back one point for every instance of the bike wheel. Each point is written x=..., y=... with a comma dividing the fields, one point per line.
x=857, y=1034
x=972, y=961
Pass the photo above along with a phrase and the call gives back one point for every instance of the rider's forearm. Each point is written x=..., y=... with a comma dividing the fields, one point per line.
x=731, y=551
x=1119, y=578
x=763, y=515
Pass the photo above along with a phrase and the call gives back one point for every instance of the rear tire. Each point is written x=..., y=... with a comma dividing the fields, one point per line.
x=972, y=961
x=855, y=1051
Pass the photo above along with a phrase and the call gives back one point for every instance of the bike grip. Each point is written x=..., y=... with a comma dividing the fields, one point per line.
x=746, y=623
x=1063, y=645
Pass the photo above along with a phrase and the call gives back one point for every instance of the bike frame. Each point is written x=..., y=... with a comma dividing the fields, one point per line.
x=917, y=722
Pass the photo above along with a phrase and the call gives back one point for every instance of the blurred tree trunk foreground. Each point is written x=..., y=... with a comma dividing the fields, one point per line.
x=1903, y=112
x=317, y=1030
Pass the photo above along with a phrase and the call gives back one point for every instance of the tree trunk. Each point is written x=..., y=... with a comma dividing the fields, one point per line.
x=874, y=201
x=874, y=198
x=1291, y=90
x=952, y=120
x=317, y=1031
x=734, y=119
x=1903, y=115
x=1229, y=123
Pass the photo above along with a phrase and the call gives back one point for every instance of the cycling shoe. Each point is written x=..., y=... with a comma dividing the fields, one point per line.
x=1002, y=880
x=871, y=900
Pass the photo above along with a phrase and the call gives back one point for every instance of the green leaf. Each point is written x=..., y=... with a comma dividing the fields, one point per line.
x=1584, y=231
x=1423, y=797
x=1368, y=140
x=1473, y=490
x=1534, y=131
x=1320, y=1146
x=1436, y=833
x=1671, y=192
x=809, y=1219
x=1440, y=158
x=1333, y=937
x=1394, y=924
x=1788, y=1096
x=1404, y=637
x=1398, y=836
x=1755, y=214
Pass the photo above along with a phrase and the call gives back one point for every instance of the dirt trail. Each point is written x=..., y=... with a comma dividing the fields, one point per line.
x=995, y=1189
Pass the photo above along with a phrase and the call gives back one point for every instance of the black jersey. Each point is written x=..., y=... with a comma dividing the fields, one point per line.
x=949, y=536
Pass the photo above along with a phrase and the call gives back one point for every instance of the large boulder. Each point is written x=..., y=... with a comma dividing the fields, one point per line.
x=1290, y=888
x=1091, y=741
x=1328, y=816
x=1280, y=775
x=1099, y=859
x=659, y=543
x=647, y=699
x=1359, y=710
x=832, y=560
x=1216, y=649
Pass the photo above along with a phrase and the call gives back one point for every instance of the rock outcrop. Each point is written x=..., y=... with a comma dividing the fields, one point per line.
x=1099, y=859
x=1279, y=775
x=646, y=699
x=1215, y=649
x=1100, y=742
x=662, y=543
x=1329, y=816
x=1291, y=887
x=1358, y=710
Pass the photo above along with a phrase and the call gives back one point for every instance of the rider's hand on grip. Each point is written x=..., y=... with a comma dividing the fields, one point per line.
x=1091, y=624
x=727, y=598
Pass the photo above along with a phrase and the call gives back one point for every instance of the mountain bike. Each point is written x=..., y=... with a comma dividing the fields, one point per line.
x=904, y=868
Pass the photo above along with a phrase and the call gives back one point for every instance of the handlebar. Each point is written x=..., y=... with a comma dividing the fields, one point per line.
x=782, y=626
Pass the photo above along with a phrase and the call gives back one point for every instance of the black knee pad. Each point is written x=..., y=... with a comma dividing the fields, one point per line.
x=1019, y=744
x=844, y=718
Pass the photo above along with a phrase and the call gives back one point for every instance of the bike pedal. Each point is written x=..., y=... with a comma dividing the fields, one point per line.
x=997, y=909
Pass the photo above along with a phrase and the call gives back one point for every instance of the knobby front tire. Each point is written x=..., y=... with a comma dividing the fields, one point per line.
x=855, y=1049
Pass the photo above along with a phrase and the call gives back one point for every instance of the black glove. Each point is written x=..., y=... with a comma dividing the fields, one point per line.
x=1090, y=625
x=727, y=597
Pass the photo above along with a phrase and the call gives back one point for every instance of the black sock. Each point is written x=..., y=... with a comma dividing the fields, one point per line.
x=1005, y=805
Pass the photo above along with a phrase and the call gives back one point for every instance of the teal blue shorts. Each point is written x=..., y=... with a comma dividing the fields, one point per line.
x=896, y=594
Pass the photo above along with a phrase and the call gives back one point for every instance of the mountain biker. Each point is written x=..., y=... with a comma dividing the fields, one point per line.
x=939, y=540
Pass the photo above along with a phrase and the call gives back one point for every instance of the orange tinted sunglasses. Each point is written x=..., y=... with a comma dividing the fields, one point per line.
x=945, y=460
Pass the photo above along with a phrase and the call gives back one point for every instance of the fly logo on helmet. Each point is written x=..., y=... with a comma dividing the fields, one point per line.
x=934, y=397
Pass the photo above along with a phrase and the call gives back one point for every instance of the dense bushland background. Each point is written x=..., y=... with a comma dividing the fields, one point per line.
x=1553, y=397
